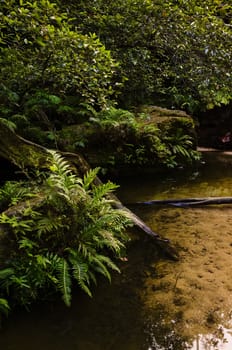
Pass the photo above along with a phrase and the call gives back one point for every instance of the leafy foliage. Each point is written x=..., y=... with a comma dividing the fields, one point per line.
x=39, y=50
x=4, y=307
x=67, y=240
x=173, y=52
x=12, y=192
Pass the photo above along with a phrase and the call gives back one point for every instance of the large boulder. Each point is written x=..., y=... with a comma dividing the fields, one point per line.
x=155, y=137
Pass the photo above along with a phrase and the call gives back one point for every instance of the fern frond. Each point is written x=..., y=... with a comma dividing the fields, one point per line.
x=115, y=220
x=89, y=177
x=4, y=306
x=66, y=185
x=54, y=261
x=42, y=260
x=86, y=249
x=27, y=244
x=20, y=282
x=103, y=189
x=64, y=281
x=48, y=224
x=29, y=212
x=110, y=241
x=92, y=277
x=53, y=258
x=80, y=270
x=12, y=192
x=80, y=273
x=59, y=165
x=108, y=262
x=98, y=265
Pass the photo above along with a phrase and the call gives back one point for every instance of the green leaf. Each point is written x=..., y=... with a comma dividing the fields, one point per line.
x=64, y=280
x=4, y=306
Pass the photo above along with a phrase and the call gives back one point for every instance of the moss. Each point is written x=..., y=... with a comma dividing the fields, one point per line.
x=131, y=143
x=160, y=116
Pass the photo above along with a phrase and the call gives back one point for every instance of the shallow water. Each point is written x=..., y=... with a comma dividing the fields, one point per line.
x=155, y=303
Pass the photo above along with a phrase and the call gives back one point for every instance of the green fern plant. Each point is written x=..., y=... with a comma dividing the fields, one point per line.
x=64, y=280
x=98, y=227
x=114, y=117
x=70, y=239
x=14, y=191
x=181, y=145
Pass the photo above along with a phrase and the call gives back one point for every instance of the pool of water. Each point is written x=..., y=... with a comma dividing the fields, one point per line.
x=155, y=303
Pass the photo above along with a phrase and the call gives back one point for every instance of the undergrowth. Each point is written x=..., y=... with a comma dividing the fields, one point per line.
x=69, y=236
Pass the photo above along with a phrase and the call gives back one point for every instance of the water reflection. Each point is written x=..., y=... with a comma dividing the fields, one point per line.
x=212, y=177
x=190, y=301
x=164, y=337
x=222, y=341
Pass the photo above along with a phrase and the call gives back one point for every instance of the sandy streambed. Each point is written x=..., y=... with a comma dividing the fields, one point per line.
x=194, y=295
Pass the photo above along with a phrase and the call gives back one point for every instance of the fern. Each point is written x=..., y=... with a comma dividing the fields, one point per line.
x=41, y=99
x=83, y=249
x=4, y=306
x=64, y=281
x=18, y=226
x=53, y=259
x=102, y=190
x=68, y=239
x=80, y=273
x=100, y=267
x=115, y=117
x=59, y=165
x=110, y=263
x=49, y=224
x=89, y=178
x=12, y=192
x=27, y=244
x=109, y=240
x=65, y=183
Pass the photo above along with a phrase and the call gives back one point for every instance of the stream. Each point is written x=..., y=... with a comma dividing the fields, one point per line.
x=155, y=303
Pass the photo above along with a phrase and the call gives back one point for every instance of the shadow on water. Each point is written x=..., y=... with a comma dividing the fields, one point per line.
x=155, y=303
x=111, y=320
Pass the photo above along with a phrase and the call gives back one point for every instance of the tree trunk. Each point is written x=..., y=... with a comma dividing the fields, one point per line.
x=26, y=155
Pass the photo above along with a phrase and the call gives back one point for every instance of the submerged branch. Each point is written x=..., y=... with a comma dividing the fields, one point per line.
x=79, y=162
x=187, y=202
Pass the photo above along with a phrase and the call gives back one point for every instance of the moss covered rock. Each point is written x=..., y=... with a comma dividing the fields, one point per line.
x=151, y=137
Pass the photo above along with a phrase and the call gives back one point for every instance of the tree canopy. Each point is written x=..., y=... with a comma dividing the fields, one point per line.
x=169, y=52
x=174, y=52
x=40, y=50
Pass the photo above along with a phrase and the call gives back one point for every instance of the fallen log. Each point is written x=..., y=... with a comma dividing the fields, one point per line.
x=21, y=152
x=26, y=154
x=187, y=202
